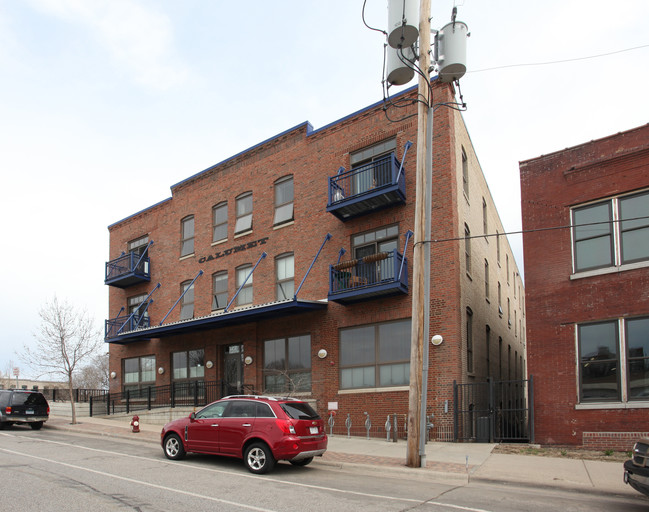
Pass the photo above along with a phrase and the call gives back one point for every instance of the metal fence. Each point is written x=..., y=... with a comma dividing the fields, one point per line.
x=494, y=411
x=177, y=394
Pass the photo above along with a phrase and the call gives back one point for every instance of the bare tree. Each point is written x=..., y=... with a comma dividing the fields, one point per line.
x=66, y=337
x=94, y=375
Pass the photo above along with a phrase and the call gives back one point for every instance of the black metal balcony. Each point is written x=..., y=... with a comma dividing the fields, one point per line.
x=367, y=188
x=377, y=275
x=116, y=326
x=127, y=270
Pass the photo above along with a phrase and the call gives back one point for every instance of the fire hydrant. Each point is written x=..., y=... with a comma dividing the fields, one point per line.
x=135, y=424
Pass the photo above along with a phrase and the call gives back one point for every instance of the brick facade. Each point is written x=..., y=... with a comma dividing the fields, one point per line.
x=559, y=298
x=311, y=157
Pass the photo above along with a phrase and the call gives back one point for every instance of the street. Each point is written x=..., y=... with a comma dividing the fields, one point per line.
x=52, y=470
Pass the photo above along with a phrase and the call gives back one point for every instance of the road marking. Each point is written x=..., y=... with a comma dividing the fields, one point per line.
x=257, y=477
x=140, y=482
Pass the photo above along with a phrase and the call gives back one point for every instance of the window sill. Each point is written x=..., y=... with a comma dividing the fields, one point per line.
x=609, y=270
x=611, y=405
x=187, y=256
x=219, y=242
x=284, y=224
x=373, y=390
x=243, y=233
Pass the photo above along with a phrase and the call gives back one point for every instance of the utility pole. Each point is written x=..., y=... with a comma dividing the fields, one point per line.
x=421, y=251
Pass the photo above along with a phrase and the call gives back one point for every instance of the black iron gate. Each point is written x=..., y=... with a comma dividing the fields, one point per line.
x=494, y=411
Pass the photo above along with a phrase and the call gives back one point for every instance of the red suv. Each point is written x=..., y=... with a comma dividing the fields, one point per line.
x=259, y=429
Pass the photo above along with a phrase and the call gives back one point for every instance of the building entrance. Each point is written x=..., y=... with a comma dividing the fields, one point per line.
x=233, y=369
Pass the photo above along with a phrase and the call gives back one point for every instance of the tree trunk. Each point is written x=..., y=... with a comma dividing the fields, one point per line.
x=72, y=404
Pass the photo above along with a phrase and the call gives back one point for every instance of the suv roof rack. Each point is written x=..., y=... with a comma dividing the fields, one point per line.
x=264, y=397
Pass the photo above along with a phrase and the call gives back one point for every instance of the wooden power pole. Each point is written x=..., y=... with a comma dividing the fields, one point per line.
x=421, y=251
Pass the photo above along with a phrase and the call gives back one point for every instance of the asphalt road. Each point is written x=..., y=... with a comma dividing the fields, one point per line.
x=53, y=471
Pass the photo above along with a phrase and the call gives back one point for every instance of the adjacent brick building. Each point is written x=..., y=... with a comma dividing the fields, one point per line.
x=323, y=217
x=586, y=242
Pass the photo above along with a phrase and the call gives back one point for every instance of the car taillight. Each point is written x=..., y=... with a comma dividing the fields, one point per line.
x=8, y=410
x=48, y=410
x=286, y=426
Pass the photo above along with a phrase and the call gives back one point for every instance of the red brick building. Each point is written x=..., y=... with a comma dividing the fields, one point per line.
x=586, y=242
x=294, y=259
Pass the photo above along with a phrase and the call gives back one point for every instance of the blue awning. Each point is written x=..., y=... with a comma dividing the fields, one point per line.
x=221, y=319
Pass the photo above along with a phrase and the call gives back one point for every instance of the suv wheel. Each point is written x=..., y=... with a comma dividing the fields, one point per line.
x=258, y=458
x=173, y=448
x=37, y=425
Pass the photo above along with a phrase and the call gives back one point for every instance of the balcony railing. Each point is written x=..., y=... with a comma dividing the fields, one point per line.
x=367, y=188
x=377, y=275
x=128, y=269
x=115, y=326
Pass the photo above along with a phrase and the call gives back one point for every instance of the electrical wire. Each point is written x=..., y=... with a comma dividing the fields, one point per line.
x=536, y=230
x=559, y=61
x=371, y=28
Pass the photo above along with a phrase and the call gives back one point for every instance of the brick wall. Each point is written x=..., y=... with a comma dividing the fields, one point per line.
x=556, y=303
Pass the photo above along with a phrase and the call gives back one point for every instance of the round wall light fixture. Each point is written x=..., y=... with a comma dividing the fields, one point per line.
x=248, y=360
x=113, y=375
x=322, y=353
x=161, y=370
x=436, y=340
x=209, y=364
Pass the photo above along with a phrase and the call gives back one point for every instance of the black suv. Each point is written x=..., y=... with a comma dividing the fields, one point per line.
x=22, y=406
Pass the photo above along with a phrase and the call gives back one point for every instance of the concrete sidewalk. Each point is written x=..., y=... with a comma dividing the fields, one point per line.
x=458, y=463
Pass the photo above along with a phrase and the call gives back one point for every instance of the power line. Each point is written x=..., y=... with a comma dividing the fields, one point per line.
x=552, y=228
x=560, y=61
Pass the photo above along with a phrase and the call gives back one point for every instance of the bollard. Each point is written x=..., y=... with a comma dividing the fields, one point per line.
x=368, y=424
x=331, y=422
x=388, y=427
x=348, y=424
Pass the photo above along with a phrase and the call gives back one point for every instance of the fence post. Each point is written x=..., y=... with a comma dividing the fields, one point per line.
x=148, y=398
x=128, y=401
x=90, y=406
x=108, y=404
x=455, y=412
x=195, y=384
x=492, y=419
x=172, y=393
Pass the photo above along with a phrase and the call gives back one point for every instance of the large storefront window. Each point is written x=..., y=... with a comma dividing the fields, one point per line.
x=287, y=364
x=614, y=360
x=375, y=355
x=139, y=373
x=189, y=364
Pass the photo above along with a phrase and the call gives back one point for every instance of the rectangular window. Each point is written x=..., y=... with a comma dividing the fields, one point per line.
x=611, y=233
x=187, y=236
x=283, y=200
x=486, y=279
x=187, y=302
x=375, y=355
x=219, y=290
x=599, y=361
x=614, y=360
x=372, y=167
x=244, y=213
x=138, y=247
x=284, y=269
x=139, y=373
x=469, y=340
x=188, y=364
x=220, y=222
x=245, y=295
x=637, y=343
x=381, y=242
x=467, y=248
x=485, y=224
x=287, y=365
x=465, y=173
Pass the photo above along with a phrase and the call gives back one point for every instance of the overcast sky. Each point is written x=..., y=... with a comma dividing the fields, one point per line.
x=107, y=103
